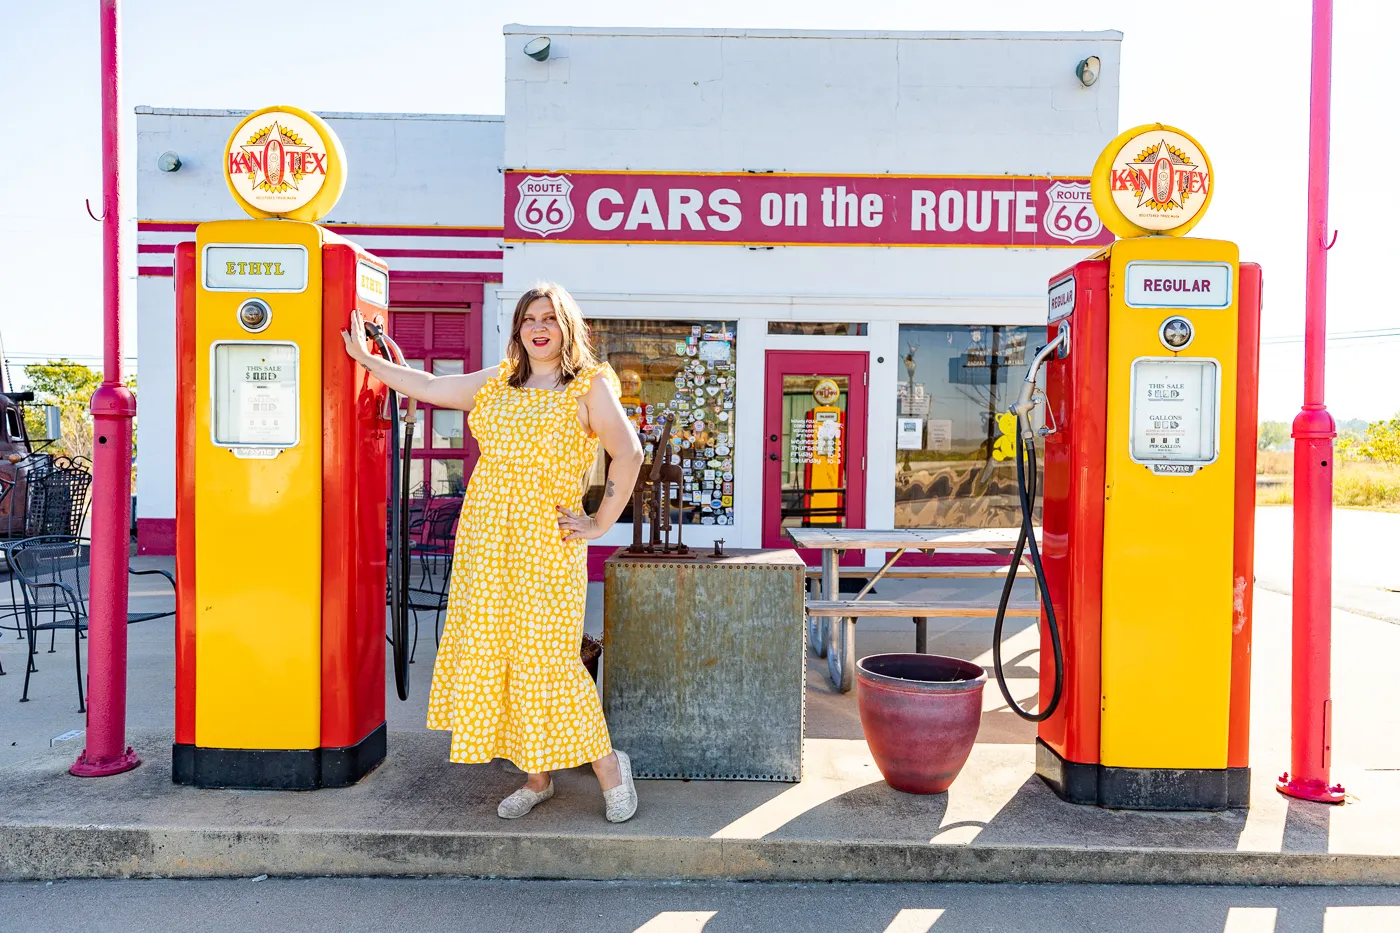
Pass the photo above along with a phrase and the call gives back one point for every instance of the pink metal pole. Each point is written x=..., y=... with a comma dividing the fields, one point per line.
x=113, y=407
x=1313, y=432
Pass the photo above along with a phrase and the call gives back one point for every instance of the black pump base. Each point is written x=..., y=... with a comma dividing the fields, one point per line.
x=278, y=769
x=1142, y=788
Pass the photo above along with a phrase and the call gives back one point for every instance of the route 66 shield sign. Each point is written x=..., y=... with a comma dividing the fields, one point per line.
x=1070, y=215
x=544, y=206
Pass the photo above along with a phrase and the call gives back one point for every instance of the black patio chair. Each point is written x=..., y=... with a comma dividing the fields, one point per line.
x=429, y=596
x=54, y=573
x=12, y=612
x=436, y=536
x=58, y=497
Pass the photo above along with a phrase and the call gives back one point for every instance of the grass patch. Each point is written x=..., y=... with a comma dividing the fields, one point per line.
x=1355, y=484
x=1367, y=486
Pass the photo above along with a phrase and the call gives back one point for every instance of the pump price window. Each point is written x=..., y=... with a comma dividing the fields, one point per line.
x=1174, y=415
x=255, y=394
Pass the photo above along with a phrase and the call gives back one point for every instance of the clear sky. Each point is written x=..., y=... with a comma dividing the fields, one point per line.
x=1234, y=73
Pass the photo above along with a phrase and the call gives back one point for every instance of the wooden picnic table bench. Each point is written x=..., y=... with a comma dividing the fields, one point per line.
x=831, y=620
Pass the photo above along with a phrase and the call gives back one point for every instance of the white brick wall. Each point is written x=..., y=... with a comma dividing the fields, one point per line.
x=691, y=100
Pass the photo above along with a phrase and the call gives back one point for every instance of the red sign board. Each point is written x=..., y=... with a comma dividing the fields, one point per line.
x=801, y=210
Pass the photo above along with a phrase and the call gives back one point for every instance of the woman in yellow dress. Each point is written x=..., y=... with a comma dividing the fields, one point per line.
x=509, y=682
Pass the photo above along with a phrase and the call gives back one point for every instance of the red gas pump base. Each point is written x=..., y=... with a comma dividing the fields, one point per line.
x=1314, y=790
x=86, y=767
x=1094, y=784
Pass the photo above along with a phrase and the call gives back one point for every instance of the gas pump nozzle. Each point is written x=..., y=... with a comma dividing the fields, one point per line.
x=1026, y=401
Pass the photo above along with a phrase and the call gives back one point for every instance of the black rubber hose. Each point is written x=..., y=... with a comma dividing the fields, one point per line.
x=1026, y=481
x=398, y=525
x=403, y=658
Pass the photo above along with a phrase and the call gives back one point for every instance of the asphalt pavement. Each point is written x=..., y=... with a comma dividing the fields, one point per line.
x=428, y=906
x=1365, y=572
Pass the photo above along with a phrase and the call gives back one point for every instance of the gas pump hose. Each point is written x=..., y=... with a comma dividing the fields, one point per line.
x=400, y=451
x=1026, y=480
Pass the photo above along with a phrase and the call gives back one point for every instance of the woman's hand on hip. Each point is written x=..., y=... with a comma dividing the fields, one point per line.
x=578, y=526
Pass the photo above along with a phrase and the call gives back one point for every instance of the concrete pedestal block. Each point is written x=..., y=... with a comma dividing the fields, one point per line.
x=704, y=664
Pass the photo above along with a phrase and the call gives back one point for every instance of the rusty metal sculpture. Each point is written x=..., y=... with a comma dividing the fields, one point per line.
x=652, y=501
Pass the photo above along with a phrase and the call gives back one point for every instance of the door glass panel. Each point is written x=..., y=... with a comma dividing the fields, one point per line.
x=447, y=478
x=447, y=428
x=415, y=479
x=813, y=450
x=403, y=399
x=449, y=367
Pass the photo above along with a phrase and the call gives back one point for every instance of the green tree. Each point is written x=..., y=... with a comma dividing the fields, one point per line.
x=68, y=385
x=1274, y=435
x=1380, y=443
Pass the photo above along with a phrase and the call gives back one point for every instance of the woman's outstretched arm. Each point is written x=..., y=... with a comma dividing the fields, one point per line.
x=619, y=439
x=443, y=391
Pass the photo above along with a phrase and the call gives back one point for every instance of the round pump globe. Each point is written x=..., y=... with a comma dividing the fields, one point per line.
x=284, y=161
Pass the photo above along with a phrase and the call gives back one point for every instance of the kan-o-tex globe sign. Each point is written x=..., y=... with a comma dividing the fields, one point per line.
x=285, y=162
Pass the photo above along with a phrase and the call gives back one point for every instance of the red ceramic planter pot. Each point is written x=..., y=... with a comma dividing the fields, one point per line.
x=920, y=713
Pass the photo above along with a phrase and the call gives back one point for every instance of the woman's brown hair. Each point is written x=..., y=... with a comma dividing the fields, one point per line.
x=576, y=354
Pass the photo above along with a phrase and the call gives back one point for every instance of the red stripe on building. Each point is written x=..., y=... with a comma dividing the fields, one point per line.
x=155, y=247
x=155, y=270
x=420, y=275
x=165, y=226
x=440, y=253
x=365, y=230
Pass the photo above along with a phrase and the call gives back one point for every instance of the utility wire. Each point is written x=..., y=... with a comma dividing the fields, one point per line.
x=1381, y=333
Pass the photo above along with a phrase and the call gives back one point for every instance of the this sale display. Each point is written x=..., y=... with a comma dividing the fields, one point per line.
x=255, y=394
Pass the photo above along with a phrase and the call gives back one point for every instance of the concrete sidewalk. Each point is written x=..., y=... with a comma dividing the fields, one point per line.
x=418, y=815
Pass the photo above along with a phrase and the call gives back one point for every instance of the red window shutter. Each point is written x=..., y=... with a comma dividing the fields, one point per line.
x=449, y=332
x=409, y=330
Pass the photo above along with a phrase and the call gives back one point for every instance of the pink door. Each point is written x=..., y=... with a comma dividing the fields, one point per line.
x=813, y=443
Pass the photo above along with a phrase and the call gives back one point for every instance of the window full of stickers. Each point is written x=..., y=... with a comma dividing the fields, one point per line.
x=684, y=369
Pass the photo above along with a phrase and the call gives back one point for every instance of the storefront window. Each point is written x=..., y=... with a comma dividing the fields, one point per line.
x=817, y=328
x=956, y=380
x=684, y=369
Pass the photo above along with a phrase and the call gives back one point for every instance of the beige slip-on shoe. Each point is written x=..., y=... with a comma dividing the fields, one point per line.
x=622, y=799
x=523, y=801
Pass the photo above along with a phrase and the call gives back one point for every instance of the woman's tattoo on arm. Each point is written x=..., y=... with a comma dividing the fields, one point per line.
x=609, y=492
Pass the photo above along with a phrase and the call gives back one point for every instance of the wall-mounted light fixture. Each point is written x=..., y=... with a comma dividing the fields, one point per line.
x=538, y=48
x=169, y=162
x=1087, y=71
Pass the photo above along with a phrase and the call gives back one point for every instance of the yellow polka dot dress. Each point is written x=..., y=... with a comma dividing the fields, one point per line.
x=509, y=682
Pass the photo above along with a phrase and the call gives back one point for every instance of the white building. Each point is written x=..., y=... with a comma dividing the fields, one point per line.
x=811, y=132
x=746, y=217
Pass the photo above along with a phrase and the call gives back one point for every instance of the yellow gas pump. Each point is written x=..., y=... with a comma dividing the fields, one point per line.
x=1151, y=375
x=281, y=480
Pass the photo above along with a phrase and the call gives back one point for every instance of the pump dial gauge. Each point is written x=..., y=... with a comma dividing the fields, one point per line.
x=1176, y=333
x=254, y=315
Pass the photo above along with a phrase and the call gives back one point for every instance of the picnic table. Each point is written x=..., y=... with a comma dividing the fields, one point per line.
x=831, y=620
